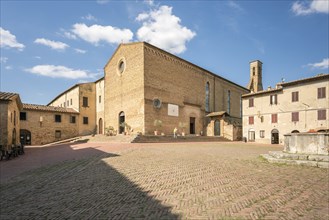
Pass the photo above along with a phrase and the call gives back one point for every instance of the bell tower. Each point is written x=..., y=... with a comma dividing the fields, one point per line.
x=255, y=84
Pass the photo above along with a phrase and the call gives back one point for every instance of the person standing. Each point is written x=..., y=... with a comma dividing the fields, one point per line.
x=175, y=132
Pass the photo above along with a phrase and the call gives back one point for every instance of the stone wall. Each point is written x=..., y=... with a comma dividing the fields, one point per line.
x=124, y=91
x=307, y=143
x=176, y=81
x=10, y=124
x=43, y=131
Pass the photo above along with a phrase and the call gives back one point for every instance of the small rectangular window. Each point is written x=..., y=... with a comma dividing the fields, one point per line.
x=251, y=120
x=322, y=114
x=71, y=102
x=85, y=120
x=68, y=103
x=58, y=134
x=72, y=119
x=262, y=133
x=251, y=102
x=274, y=99
x=294, y=97
x=85, y=101
x=274, y=118
x=295, y=116
x=22, y=116
x=321, y=92
x=58, y=118
x=100, y=99
x=64, y=104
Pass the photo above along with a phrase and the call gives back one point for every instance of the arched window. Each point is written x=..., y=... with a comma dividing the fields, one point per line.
x=207, y=97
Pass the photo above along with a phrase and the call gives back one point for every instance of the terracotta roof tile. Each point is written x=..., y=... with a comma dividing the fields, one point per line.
x=48, y=108
x=7, y=96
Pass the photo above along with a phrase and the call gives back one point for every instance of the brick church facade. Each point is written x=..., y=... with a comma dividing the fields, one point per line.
x=146, y=89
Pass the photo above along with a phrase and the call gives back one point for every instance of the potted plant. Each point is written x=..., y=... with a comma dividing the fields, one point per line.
x=109, y=131
x=126, y=127
x=182, y=125
x=157, y=124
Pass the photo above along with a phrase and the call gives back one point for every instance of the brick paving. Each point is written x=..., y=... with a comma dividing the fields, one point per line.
x=160, y=181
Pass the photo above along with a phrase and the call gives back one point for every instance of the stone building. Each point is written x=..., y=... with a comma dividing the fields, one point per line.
x=41, y=124
x=144, y=89
x=290, y=107
x=145, y=85
x=10, y=107
x=82, y=98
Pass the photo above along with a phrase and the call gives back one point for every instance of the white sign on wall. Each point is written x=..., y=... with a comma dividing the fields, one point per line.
x=173, y=110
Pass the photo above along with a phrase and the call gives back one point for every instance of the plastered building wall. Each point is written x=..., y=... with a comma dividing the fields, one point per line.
x=307, y=106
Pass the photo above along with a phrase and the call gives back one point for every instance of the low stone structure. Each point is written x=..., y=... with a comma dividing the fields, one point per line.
x=308, y=149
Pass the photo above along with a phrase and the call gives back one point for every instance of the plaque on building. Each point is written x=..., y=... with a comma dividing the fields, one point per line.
x=173, y=110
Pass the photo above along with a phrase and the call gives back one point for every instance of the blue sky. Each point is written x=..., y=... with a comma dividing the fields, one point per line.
x=48, y=46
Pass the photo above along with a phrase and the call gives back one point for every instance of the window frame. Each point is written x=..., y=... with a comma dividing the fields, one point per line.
x=23, y=118
x=295, y=116
x=274, y=118
x=85, y=120
x=251, y=120
x=274, y=99
x=85, y=101
x=58, y=118
x=251, y=102
x=321, y=92
x=72, y=119
x=322, y=114
x=295, y=96
x=58, y=132
x=262, y=133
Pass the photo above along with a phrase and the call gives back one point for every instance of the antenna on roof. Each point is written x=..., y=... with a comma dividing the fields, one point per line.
x=282, y=80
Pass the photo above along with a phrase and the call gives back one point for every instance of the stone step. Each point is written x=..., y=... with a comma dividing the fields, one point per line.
x=312, y=163
x=306, y=157
x=171, y=139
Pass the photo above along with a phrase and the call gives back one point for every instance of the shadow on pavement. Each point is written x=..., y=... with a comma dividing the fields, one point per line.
x=82, y=188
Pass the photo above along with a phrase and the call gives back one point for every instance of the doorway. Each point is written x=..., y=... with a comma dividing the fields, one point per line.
x=121, y=122
x=251, y=135
x=217, y=128
x=192, y=125
x=274, y=136
x=100, y=126
x=25, y=137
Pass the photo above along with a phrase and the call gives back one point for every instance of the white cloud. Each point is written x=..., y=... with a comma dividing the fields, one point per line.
x=8, y=40
x=37, y=57
x=307, y=7
x=8, y=67
x=163, y=29
x=3, y=59
x=324, y=64
x=60, y=72
x=96, y=33
x=56, y=45
x=89, y=17
x=80, y=51
x=68, y=35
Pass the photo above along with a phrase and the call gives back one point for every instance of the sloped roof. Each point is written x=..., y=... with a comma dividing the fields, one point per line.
x=9, y=96
x=320, y=76
x=212, y=114
x=34, y=107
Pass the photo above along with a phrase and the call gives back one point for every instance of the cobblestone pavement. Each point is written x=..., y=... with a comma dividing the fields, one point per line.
x=165, y=181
